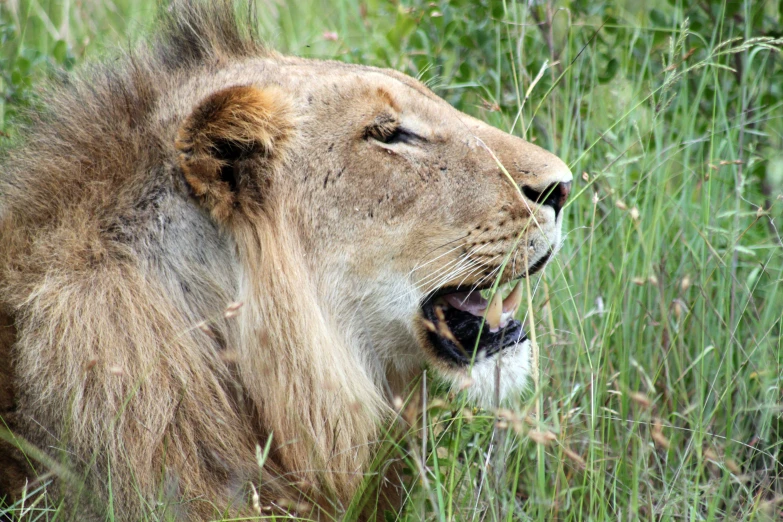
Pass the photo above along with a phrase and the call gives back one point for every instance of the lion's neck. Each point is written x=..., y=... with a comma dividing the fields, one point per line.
x=309, y=387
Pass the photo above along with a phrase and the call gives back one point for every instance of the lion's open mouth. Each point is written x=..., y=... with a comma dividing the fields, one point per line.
x=463, y=326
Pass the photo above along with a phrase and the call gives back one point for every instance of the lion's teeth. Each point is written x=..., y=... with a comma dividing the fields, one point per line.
x=494, y=311
x=514, y=299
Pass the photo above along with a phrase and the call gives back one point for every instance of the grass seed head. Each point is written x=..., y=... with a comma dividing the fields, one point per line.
x=466, y=382
x=658, y=437
x=256, y=500
x=544, y=438
x=575, y=457
x=640, y=399
x=231, y=309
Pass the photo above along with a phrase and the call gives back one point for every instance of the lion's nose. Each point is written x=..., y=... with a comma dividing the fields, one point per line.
x=554, y=195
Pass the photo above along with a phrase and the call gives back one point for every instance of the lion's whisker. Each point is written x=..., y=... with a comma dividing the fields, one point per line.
x=445, y=271
x=420, y=266
x=469, y=264
x=430, y=286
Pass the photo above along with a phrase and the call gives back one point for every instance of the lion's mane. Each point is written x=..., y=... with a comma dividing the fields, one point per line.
x=113, y=298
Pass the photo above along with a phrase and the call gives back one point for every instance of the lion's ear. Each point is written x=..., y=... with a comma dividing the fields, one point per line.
x=229, y=145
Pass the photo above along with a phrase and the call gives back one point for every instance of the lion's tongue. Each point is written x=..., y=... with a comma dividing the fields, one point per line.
x=497, y=313
x=470, y=302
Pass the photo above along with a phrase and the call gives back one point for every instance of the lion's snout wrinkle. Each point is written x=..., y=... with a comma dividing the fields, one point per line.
x=208, y=245
x=542, y=177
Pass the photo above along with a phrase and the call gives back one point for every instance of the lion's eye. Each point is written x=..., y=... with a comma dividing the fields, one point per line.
x=391, y=135
x=400, y=135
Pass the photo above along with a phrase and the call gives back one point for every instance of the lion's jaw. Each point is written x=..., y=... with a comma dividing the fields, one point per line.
x=381, y=328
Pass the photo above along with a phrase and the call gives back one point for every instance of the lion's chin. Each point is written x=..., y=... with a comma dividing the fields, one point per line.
x=490, y=382
x=497, y=380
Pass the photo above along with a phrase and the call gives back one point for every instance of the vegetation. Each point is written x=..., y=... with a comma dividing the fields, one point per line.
x=660, y=391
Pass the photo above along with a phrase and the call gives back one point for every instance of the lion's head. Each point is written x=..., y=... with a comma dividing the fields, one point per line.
x=351, y=214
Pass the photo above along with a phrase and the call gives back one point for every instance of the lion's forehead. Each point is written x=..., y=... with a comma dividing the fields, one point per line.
x=350, y=84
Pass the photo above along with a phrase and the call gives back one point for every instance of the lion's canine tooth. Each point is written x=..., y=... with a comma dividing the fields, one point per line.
x=494, y=311
x=514, y=299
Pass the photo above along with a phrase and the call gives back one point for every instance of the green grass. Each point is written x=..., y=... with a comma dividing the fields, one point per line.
x=659, y=325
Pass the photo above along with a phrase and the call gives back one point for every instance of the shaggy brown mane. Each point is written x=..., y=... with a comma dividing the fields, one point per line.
x=201, y=34
x=78, y=182
x=102, y=112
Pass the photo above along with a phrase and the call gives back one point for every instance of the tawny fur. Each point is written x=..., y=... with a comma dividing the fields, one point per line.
x=204, y=170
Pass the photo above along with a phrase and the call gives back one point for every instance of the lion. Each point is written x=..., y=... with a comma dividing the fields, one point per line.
x=210, y=248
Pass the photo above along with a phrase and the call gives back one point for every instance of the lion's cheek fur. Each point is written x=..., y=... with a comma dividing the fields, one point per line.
x=317, y=401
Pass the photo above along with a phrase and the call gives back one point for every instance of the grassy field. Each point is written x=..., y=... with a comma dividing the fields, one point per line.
x=661, y=349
